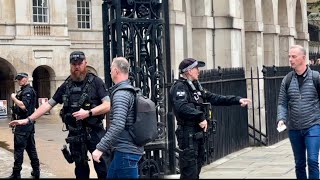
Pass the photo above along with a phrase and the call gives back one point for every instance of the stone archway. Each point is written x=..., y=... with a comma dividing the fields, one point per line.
x=7, y=72
x=41, y=81
x=92, y=70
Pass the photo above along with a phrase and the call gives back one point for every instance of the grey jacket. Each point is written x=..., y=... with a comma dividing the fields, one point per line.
x=299, y=107
x=122, y=110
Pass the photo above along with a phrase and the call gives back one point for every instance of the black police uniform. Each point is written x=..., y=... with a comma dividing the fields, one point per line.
x=68, y=95
x=24, y=135
x=187, y=98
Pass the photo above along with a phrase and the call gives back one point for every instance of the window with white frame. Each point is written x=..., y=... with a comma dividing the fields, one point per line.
x=40, y=11
x=84, y=14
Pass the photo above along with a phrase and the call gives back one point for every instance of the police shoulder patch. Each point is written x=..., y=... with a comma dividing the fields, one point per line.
x=181, y=93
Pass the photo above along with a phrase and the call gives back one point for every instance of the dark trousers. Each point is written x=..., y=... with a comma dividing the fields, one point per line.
x=25, y=141
x=306, y=143
x=82, y=170
x=191, y=156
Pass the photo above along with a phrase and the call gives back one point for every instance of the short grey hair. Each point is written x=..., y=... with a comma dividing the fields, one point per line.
x=122, y=64
x=302, y=49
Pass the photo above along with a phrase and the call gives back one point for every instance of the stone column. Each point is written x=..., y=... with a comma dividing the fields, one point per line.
x=254, y=62
x=254, y=48
x=228, y=34
x=202, y=32
x=286, y=39
x=302, y=39
x=23, y=10
x=177, y=41
x=271, y=44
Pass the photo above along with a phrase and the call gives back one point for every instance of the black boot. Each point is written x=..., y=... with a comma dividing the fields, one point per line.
x=35, y=174
x=15, y=175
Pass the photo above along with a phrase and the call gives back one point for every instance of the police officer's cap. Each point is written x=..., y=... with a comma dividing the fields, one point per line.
x=190, y=63
x=77, y=56
x=21, y=75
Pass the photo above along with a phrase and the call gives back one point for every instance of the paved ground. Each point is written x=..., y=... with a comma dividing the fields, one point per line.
x=272, y=162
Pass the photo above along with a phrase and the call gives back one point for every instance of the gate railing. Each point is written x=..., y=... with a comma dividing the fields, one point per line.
x=262, y=131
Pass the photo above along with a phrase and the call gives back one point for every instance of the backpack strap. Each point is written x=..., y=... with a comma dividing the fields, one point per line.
x=129, y=88
x=315, y=78
x=288, y=80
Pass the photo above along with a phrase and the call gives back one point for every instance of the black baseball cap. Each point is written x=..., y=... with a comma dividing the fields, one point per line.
x=77, y=56
x=21, y=75
x=190, y=63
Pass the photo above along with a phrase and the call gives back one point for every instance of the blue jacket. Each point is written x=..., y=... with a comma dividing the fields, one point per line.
x=299, y=108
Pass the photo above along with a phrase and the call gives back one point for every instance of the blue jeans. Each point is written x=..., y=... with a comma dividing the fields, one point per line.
x=124, y=166
x=302, y=141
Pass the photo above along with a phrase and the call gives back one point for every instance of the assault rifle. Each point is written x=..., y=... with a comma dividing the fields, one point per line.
x=79, y=136
x=15, y=110
x=211, y=130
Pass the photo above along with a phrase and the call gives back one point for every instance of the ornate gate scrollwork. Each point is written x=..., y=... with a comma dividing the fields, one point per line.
x=135, y=29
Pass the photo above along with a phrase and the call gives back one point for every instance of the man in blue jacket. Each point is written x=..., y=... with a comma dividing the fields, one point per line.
x=299, y=109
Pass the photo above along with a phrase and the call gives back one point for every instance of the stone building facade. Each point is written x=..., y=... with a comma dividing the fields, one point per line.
x=37, y=36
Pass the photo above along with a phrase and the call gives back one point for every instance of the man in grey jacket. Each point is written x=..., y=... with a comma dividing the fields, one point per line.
x=299, y=108
x=126, y=153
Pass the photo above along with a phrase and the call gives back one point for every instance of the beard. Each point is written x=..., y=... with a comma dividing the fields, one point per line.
x=78, y=75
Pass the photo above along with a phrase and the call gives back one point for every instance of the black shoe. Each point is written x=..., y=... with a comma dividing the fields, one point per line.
x=35, y=174
x=15, y=175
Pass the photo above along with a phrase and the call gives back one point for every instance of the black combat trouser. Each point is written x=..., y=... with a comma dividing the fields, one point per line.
x=191, y=156
x=24, y=140
x=82, y=170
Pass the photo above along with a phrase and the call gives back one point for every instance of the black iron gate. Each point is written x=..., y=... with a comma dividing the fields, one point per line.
x=136, y=29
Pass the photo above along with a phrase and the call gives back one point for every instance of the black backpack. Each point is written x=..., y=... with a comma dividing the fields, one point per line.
x=144, y=129
x=315, y=78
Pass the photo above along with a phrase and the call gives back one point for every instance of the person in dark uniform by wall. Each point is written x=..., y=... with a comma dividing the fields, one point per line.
x=24, y=105
x=85, y=100
x=187, y=97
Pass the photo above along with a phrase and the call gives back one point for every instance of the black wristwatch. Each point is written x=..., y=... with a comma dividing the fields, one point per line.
x=90, y=113
x=29, y=120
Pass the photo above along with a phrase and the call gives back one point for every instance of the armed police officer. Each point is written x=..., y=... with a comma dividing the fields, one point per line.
x=187, y=98
x=24, y=105
x=85, y=101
